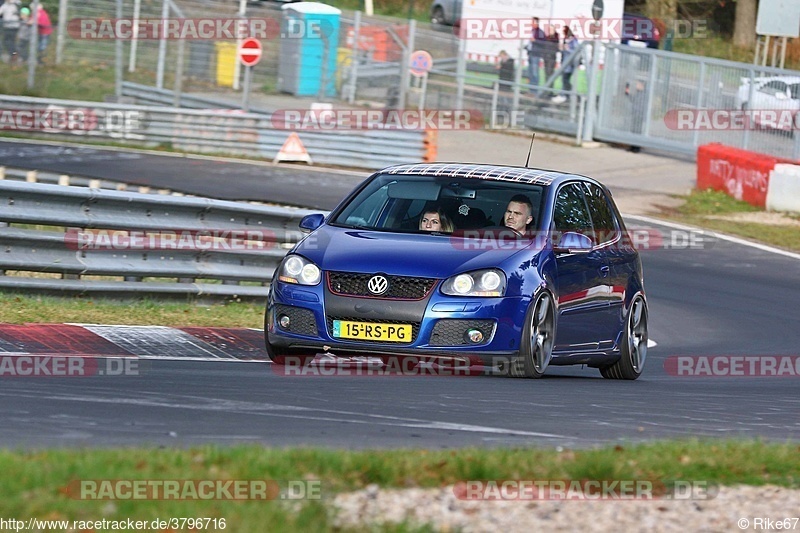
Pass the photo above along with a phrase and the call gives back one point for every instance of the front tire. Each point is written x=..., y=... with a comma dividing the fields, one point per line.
x=634, y=344
x=538, y=337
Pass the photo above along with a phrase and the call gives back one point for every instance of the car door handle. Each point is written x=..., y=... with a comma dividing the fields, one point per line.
x=604, y=270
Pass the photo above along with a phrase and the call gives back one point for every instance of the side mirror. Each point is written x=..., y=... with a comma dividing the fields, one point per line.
x=572, y=242
x=311, y=222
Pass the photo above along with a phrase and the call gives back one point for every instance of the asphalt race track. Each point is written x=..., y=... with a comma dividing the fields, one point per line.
x=279, y=184
x=716, y=298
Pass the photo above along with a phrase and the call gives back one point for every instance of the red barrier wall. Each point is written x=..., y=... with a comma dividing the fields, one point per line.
x=741, y=174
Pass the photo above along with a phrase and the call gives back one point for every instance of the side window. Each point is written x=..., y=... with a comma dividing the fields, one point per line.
x=366, y=213
x=605, y=226
x=570, y=213
x=773, y=87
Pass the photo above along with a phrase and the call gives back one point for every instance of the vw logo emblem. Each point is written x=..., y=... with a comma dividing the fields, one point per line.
x=378, y=284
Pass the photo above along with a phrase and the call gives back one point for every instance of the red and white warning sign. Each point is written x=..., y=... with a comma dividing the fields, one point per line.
x=250, y=52
x=293, y=150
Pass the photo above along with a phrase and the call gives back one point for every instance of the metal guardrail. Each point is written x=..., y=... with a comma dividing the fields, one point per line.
x=148, y=95
x=228, y=132
x=228, y=242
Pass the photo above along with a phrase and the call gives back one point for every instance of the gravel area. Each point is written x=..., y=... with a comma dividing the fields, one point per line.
x=441, y=509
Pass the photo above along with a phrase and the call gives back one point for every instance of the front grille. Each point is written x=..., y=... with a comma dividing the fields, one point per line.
x=301, y=321
x=453, y=332
x=414, y=326
x=400, y=287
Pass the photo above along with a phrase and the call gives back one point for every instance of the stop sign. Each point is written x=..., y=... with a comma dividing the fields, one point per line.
x=250, y=52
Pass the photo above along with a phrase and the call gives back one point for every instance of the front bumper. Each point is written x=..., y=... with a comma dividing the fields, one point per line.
x=439, y=323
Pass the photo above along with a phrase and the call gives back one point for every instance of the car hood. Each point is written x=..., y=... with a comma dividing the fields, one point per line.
x=422, y=255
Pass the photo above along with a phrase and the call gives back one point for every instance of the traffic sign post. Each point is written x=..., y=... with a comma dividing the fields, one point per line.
x=249, y=55
x=420, y=63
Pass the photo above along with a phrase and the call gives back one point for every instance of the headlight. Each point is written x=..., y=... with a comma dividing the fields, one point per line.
x=297, y=269
x=487, y=282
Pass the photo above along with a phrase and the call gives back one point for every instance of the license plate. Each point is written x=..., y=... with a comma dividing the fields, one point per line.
x=367, y=331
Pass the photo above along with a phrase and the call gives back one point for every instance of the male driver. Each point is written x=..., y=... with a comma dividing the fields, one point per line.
x=518, y=213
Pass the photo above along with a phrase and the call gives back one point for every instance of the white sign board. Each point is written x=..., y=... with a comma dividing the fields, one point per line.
x=780, y=18
x=488, y=28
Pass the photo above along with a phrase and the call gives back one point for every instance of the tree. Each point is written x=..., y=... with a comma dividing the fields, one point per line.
x=744, y=29
x=665, y=10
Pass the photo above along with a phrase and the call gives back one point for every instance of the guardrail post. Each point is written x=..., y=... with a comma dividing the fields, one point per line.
x=517, y=81
x=63, y=180
x=461, y=72
x=651, y=81
x=353, y=82
x=404, y=73
x=2, y=173
x=62, y=30
x=493, y=122
x=162, y=48
x=700, y=100
x=30, y=176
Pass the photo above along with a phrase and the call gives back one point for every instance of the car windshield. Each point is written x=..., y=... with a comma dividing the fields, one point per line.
x=398, y=203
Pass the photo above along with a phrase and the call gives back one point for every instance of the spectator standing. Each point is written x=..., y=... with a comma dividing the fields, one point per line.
x=9, y=12
x=570, y=45
x=535, y=49
x=505, y=75
x=549, y=54
x=45, y=29
x=24, y=34
x=636, y=94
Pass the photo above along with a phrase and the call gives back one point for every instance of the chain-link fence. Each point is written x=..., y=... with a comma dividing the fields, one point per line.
x=644, y=97
x=678, y=102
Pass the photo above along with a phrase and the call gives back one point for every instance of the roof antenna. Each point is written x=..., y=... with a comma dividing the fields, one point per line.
x=533, y=137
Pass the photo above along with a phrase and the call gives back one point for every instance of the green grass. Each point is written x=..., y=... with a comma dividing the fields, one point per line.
x=701, y=205
x=21, y=309
x=35, y=481
x=74, y=81
x=710, y=202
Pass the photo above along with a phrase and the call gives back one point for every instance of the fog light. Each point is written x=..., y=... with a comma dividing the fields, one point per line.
x=474, y=335
x=284, y=321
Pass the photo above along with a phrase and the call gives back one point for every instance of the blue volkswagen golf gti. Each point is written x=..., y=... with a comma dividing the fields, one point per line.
x=511, y=268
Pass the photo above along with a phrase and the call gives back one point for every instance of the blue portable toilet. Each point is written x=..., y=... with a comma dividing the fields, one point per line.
x=309, y=43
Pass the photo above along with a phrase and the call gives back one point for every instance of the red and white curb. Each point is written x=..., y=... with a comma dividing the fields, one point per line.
x=146, y=342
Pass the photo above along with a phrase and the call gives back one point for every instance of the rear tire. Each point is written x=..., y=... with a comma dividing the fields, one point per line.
x=538, y=338
x=634, y=344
